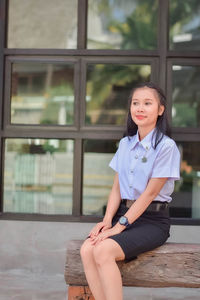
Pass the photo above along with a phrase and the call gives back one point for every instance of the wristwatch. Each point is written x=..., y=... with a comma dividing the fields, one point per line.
x=124, y=221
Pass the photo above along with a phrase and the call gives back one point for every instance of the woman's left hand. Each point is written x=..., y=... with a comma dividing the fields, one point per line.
x=105, y=234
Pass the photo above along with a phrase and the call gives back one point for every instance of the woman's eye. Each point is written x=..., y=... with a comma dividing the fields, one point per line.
x=148, y=103
x=134, y=103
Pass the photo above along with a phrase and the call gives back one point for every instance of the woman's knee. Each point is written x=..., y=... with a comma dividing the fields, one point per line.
x=86, y=250
x=103, y=253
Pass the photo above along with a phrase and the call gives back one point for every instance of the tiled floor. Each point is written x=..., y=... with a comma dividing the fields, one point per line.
x=22, y=285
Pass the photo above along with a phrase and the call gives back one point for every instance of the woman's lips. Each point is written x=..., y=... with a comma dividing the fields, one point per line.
x=140, y=117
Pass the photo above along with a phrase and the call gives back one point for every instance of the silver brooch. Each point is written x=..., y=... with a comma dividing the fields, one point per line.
x=144, y=159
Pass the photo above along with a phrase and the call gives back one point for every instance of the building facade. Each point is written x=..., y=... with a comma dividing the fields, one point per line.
x=66, y=72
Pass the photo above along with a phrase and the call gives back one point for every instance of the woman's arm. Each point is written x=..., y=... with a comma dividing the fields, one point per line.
x=136, y=210
x=112, y=206
x=113, y=200
x=140, y=205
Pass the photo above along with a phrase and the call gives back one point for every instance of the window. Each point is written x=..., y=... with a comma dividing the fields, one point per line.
x=42, y=24
x=184, y=25
x=66, y=72
x=97, y=175
x=107, y=103
x=42, y=93
x=186, y=195
x=122, y=25
x=38, y=176
x=185, y=95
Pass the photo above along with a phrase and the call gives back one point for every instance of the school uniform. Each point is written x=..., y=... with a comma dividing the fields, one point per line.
x=136, y=162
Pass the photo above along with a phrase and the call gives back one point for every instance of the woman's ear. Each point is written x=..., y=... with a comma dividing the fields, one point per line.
x=161, y=110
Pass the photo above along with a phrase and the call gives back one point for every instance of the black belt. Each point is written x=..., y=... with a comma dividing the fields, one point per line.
x=154, y=206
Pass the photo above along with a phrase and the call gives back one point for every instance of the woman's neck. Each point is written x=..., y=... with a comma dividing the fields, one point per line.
x=144, y=132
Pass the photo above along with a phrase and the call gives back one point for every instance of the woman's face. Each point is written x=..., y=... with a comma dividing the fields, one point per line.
x=145, y=108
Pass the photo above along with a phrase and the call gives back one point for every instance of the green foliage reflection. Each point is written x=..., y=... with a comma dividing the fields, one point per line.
x=130, y=24
x=108, y=89
x=184, y=19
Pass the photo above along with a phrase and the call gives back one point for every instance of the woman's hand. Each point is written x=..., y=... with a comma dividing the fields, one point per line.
x=106, y=233
x=100, y=227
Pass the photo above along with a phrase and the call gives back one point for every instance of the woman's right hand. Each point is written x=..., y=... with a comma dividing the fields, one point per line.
x=99, y=227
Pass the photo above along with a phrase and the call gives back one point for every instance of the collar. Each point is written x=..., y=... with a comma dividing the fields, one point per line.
x=146, y=141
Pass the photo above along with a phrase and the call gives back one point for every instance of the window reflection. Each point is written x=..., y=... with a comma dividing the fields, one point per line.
x=42, y=24
x=186, y=197
x=186, y=96
x=108, y=89
x=38, y=176
x=97, y=175
x=184, y=25
x=129, y=24
x=42, y=93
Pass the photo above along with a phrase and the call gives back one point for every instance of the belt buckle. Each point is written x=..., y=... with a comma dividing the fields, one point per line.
x=158, y=206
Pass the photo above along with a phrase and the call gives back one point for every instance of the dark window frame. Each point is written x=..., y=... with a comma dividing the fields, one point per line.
x=163, y=58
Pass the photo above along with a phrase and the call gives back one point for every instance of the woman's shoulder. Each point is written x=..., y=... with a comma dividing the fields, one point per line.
x=167, y=143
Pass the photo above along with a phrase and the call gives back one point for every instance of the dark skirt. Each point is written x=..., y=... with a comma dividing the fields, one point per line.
x=149, y=231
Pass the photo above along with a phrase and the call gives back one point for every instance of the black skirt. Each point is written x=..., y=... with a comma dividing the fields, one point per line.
x=149, y=231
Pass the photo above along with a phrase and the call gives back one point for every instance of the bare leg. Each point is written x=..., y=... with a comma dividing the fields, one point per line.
x=91, y=270
x=106, y=253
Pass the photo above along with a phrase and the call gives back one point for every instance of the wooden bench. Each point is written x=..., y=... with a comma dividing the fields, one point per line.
x=171, y=265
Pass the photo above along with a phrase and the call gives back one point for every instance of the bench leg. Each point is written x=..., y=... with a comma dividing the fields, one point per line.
x=79, y=293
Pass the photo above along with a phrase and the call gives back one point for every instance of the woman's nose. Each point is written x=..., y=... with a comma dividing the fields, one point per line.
x=140, y=107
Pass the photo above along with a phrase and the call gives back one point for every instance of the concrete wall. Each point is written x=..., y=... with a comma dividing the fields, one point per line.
x=40, y=247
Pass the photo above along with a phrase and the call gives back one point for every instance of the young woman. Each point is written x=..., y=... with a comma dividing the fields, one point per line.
x=137, y=215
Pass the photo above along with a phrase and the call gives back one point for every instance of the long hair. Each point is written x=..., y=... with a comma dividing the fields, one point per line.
x=162, y=124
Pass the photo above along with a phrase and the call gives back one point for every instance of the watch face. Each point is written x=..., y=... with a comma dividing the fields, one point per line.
x=123, y=220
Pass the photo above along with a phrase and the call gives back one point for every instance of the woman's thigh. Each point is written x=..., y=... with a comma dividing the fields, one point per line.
x=108, y=250
x=105, y=250
x=140, y=238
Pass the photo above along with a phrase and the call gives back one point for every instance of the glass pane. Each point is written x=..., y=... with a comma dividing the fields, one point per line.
x=97, y=175
x=130, y=24
x=38, y=176
x=42, y=93
x=108, y=89
x=42, y=24
x=184, y=25
x=186, y=96
x=186, y=198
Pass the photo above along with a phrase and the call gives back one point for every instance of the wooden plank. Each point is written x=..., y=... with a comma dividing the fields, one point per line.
x=169, y=265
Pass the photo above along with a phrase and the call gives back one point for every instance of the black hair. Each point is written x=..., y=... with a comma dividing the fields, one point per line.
x=162, y=125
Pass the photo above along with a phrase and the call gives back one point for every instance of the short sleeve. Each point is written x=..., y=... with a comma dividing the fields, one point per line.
x=114, y=162
x=167, y=163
